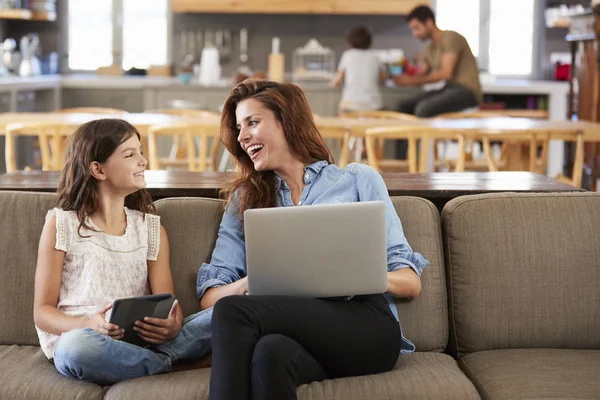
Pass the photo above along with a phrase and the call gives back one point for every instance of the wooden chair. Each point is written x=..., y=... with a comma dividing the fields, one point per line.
x=188, y=132
x=343, y=136
x=470, y=114
x=412, y=135
x=512, y=156
x=92, y=110
x=379, y=149
x=470, y=162
x=51, y=137
x=379, y=115
x=178, y=150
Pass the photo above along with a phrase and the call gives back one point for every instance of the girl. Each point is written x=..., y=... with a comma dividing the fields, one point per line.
x=103, y=242
x=268, y=345
x=362, y=73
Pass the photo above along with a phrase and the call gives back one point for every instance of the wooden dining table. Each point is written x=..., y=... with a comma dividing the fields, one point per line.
x=473, y=129
x=437, y=187
x=142, y=121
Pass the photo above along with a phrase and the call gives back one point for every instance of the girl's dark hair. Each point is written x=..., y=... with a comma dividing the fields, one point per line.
x=254, y=189
x=359, y=37
x=77, y=188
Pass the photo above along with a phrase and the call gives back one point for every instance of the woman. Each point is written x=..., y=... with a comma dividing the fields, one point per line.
x=265, y=346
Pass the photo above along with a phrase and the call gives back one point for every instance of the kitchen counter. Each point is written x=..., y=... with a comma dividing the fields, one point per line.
x=139, y=93
x=91, y=81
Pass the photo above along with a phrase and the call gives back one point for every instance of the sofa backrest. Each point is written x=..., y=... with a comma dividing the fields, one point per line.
x=22, y=217
x=523, y=271
x=425, y=320
x=192, y=225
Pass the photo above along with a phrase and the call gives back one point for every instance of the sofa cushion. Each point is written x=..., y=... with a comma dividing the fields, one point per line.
x=534, y=373
x=192, y=225
x=523, y=270
x=23, y=216
x=425, y=320
x=27, y=374
x=418, y=376
x=185, y=385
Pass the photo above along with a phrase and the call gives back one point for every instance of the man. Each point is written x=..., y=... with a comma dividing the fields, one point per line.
x=448, y=62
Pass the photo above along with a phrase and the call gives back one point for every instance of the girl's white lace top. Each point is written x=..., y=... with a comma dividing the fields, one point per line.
x=100, y=268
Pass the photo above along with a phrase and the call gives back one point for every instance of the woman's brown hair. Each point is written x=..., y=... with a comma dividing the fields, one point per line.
x=254, y=189
x=77, y=188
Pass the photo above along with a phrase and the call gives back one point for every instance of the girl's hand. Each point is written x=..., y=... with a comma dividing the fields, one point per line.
x=157, y=330
x=98, y=323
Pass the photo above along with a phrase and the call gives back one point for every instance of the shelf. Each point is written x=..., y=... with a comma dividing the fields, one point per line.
x=15, y=14
x=43, y=16
x=27, y=15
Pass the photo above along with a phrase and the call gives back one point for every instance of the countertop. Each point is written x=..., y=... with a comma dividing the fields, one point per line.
x=91, y=81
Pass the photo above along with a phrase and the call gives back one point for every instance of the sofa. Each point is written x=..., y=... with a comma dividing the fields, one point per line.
x=510, y=307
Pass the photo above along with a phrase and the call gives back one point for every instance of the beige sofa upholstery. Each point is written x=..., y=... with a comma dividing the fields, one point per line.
x=192, y=225
x=25, y=373
x=524, y=287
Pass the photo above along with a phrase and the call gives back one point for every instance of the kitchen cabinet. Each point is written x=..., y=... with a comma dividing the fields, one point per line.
x=206, y=98
x=131, y=100
x=4, y=107
x=4, y=102
x=399, y=7
x=254, y=6
x=27, y=148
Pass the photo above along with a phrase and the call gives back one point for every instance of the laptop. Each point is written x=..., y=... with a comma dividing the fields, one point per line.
x=317, y=251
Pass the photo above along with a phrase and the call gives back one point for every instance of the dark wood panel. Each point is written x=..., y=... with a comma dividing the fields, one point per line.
x=437, y=187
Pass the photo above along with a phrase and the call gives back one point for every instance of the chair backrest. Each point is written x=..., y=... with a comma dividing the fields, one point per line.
x=470, y=114
x=178, y=130
x=343, y=137
x=211, y=160
x=189, y=132
x=92, y=110
x=51, y=139
x=523, y=271
x=184, y=112
x=379, y=115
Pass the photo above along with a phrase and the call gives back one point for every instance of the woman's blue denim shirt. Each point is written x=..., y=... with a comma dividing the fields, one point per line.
x=325, y=184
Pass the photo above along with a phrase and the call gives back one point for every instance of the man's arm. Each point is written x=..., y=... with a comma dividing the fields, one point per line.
x=446, y=72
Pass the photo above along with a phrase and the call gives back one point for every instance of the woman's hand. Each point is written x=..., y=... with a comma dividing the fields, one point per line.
x=157, y=330
x=244, y=285
x=98, y=323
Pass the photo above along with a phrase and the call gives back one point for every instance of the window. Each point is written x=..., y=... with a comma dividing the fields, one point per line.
x=501, y=33
x=451, y=15
x=144, y=33
x=96, y=40
x=511, y=37
x=90, y=34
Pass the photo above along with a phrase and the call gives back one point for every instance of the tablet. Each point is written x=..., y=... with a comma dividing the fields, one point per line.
x=126, y=311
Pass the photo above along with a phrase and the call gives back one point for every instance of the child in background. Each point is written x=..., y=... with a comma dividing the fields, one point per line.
x=101, y=243
x=362, y=73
